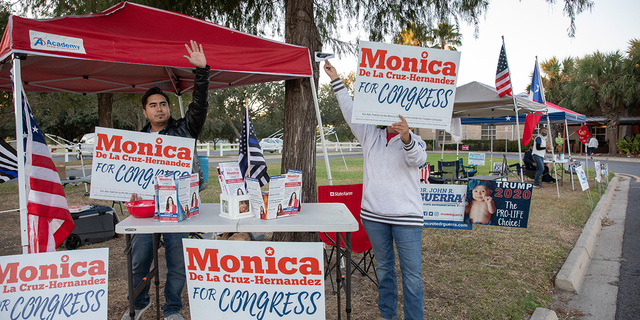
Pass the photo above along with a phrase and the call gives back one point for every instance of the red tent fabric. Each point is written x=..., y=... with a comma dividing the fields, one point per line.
x=131, y=47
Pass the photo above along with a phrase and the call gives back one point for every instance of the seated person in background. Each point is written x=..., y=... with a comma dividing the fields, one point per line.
x=530, y=165
x=481, y=206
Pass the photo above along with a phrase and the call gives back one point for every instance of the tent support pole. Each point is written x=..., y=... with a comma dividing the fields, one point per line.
x=22, y=181
x=444, y=134
x=553, y=152
x=515, y=106
x=181, y=107
x=324, y=145
x=566, y=128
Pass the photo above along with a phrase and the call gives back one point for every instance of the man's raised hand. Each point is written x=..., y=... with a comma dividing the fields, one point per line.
x=196, y=55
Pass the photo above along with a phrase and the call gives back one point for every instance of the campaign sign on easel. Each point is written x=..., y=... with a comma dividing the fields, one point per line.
x=443, y=206
x=415, y=82
x=55, y=285
x=254, y=280
x=125, y=162
x=498, y=203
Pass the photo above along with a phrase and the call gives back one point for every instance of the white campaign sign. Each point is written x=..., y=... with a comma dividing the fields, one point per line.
x=476, y=158
x=417, y=83
x=582, y=177
x=55, y=285
x=254, y=280
x=125, y=162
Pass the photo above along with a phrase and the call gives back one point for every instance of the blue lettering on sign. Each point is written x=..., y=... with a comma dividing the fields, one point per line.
x=408, y=97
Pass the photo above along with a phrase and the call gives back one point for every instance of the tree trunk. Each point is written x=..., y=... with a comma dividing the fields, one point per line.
x=299, y=138
x=612, y=114
x=105, y=106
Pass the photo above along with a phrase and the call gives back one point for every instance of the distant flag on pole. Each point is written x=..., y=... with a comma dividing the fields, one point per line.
x=250, y=157
x=49, y=220
x=8, y=162
x=503, y=80
x=583, y=134
x=537, y=90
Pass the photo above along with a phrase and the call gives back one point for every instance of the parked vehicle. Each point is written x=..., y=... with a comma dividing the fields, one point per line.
x=271, y=144
x=86, y=145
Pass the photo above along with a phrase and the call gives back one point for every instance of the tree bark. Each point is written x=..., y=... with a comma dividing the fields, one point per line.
x=299, y=138
x=105, y=107
x=612, y=114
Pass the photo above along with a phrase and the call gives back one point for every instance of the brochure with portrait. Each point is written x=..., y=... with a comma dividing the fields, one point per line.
x=231, y=178
x=292, y=189
x=255, y=196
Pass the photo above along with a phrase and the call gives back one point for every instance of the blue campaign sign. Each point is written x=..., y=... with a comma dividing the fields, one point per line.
x=443, y=206
x=499, y=203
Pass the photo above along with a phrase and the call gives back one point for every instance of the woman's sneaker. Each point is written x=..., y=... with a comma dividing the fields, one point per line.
x=537, y=186
x=139, y=313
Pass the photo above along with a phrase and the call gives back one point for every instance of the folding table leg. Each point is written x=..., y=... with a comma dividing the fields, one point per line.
x=338, y=276
x=132, y=298
x=347, y=285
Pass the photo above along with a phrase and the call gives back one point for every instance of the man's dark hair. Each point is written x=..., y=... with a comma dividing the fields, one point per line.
x=152, y=91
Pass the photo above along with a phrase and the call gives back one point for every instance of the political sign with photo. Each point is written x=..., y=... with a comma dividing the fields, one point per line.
x=126, y=162
x=476, y=158
x=55, y=285
x=498, y=203
x=443, y=206
x=415, y=82
x=255, y=280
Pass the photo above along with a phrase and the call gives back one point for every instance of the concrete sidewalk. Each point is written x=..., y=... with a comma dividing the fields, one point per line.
x=588, y=279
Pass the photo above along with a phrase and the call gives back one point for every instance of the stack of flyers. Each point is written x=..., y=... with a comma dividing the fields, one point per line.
x=231, y=181
x=283, y=196
x=292, y=189
x=255, y=196
x=170, y=193
x=194, y=207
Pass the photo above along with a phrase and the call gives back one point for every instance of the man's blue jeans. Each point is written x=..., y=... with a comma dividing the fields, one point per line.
x=539, y=168
x=408, y=243
x=142, y=259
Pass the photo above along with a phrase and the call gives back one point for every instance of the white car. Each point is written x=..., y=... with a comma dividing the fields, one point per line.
x=86, y=145
x=271, y=144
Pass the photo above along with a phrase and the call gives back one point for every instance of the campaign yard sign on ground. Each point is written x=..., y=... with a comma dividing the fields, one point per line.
x=126, y=162
x=55, y=285
x=498, y=203
x=443, y=206
x=254, y=280
x=418, y=83
x=476, y=158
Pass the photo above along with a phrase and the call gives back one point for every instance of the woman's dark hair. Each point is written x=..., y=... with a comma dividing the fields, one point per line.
x=167, y=208
x=291, y=198
x=152, y=91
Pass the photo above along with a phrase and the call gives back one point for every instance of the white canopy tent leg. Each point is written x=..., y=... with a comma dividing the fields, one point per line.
x=444, y=134
x=324, y=145
x=181, y=107
x=519, y=142
x=553, y=153
x=22, y=182
x=566, y=127
x=491, y=137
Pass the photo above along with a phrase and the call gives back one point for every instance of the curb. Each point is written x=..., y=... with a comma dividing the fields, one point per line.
x=543, y=314
x=571, y=275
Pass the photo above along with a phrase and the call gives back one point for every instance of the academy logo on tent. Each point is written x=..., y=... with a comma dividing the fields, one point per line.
x=54, y=42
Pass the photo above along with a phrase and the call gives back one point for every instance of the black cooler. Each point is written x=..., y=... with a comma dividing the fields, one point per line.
x=93, y=224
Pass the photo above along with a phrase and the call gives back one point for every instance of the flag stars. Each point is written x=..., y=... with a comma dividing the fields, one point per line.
x=35, y=129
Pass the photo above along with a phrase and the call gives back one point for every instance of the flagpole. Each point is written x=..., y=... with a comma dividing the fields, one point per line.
x=22, y=181
x=318, y=116
x=515, y=107
x=544, y=101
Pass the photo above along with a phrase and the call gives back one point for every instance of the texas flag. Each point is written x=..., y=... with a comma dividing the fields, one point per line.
x=537, y=91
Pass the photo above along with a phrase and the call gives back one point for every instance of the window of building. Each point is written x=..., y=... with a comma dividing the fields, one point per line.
x=447, y=136
x=488, y=132
x=600, y=133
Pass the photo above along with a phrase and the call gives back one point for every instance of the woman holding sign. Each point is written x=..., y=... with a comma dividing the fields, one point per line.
x=391, y=204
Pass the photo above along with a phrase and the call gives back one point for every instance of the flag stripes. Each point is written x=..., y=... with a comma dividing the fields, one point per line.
x=8, y=162
x=503, y=80
x=250, y=157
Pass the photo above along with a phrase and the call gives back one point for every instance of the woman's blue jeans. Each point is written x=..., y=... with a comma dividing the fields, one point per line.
x=143, y=257
x=408, y=243
x=539, y=168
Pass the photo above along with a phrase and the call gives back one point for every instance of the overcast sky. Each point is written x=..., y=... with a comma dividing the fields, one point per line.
x=530, y=28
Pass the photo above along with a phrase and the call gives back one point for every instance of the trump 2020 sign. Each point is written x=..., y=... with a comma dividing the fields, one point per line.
x=254, y=280
x=417, y=83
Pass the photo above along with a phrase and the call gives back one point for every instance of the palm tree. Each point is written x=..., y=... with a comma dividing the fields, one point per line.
x=412, y=35
x=445, y=36
x=601, y=82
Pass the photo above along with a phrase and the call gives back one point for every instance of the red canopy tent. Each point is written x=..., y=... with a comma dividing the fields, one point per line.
x=130, y=48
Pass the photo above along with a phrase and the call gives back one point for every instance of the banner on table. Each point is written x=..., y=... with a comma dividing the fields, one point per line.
x=443, y=206
x=476, y=158
x=418, y=83
x=498, y=203
x=254, y=280
x=55, y=285
x=125, y=162
x=582, y=177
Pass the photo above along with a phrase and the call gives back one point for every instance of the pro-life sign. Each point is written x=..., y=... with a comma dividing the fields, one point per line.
x=254, y=280
x=417, y=83
x=125, y=162
x=55, y=285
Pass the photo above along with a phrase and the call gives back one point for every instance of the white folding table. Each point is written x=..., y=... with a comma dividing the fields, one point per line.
x=313, y=217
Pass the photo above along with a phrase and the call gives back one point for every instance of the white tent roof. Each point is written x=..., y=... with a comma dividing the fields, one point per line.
x=476, y=99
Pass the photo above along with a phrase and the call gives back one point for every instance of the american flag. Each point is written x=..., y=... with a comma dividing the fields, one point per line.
x=250, y=155
x=8, y=162
x=503, y=80
x=49, y=220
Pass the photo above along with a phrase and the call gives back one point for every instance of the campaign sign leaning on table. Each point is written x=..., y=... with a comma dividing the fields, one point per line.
x=55, y=285
x=126, y=162
x=254, y=280
x=444, y=206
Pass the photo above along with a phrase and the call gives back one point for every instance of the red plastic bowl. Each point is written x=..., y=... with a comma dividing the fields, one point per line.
x=141, y=208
